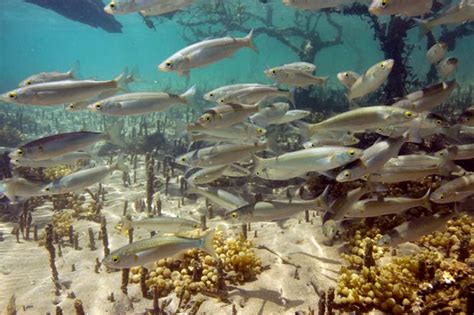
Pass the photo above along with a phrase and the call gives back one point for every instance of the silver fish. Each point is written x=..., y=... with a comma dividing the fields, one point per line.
x=149, y=250
x=218, y=93
x=300, y=66
x=338, y=209
x=270, y=114
x=400, y=7
x=371, y=80
x=160, y=224
x=368, y=208
x=226, y=115
x=295, y=78
x=348, y=78
x=219, y=197
x=82, y=179
x=447, y=67
x=437, y=52
x=65, y=159
x=57, y=145
x=18, y=189
x=318, y=4
x=62, y=92
x=140, y=103
x=204, y=53
x=254, y=95
x=249, y=132
x=455, y=190
x=44, y=77
x=166, y=6
x=457, y=14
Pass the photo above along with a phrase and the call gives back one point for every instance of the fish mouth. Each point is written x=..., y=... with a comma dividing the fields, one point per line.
x=163, y=68
x=108, y=10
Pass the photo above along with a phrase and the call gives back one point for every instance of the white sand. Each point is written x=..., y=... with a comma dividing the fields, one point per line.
x=25, y=271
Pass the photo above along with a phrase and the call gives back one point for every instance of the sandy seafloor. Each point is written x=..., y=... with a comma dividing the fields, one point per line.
x=25, y=271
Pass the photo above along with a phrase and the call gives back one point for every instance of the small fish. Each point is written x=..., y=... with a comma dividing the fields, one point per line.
x=140, y=103
x=62, y=92
x=254, y=95
x=365, y=118
x=455, y=190
x=457, y=152
x=65, y=159
x=428, y=98
x=149, y=250
x=400, y=7
x=226, y=115
x=161, y=224
x=166, y=6
x=44, y=77
x=368, y=208
x=310, y=160
x=219, y=197
x=60, y=144
x=348, y=78
x=295, y=78
x=249, y=132
x=413, y=230
x=318, y=4
x=291, y=116
x=204, y=53
x=206, y=175
x=457, y=14
x=437, y=52
x=268, y=211
x=371, y=80
x=372, y=159
x=234, y=170
x=215, y=95
x=270, y=114
x=82, y=179
x=338, y=209
x=276, y=173
x=129, y=6
x=222, y=154
x=18, y=189
x=467, y=117
x=447, y=67
x=300, y=66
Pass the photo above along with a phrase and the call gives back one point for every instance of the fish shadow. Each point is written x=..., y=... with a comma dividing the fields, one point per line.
x=265, y=295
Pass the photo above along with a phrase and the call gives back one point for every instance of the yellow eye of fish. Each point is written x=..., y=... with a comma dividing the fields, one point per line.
x=183, y=159
x=211, y=94
x=382, y=65
x=346, y=75
x=98, y=105
x=208, y=118
x=168, y=63
x=47, y=189
x=28, y=82
x=12, y=94
x=439, y=122
x=115, y=259
x=351, y=152
x=408, y=114
x=347, y=174
x=19, y=152
x=259, y=130
x=441, y=197
x=274, y=71
x=234, y=215
x=384, y=3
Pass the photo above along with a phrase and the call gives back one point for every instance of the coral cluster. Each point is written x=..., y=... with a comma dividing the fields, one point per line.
x=53, y=173
x=431, y=280
x=199, y=272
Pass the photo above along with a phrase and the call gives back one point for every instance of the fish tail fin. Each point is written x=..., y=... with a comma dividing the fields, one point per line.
x=121, y=80
x=134, y=76
x=114, y=136
x=425, y=27
x=126, y=225
x=74, y=72
x=208, y=243
x=251, y=42
x=426, y=203
x=292, y=96
x=323, y=81
x=120, y=164
x=189, y=94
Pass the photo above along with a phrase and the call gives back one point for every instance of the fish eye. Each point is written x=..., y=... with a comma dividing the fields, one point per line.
x=260, y=130
x=115, y=259
x=347, y=174
x=382, y=65
x=28, y=82
x=257, y=173
x=40, y=148
x=169, y=64
x=441, y=196
x=439, y=122
x=351, y=152
x=47, y=189
x=384, y=4
x=221, y=100
x=274, y=71
x=234, y=215
x=408, y=114
x=211, y=94
x=208, y=118
x=98, y=105
x=19, y=152
x=346, y=75
x=183, y=159
x=71, y=106
x=12, y=95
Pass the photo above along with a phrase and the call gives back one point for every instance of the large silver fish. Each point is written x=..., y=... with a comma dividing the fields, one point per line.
x=160, y=224
x=226, y=115
x=44, y=77
x=219, y=197
x=338, y=209
x=371, y=80
x=82, y=179
x=65, y=159
x=62, y=92
x=437, y=52
x=149, y=250
x=319, y=4
x=392, y=205
x=348, y=78
x=295, y=78
x=242, y=132
x=457, y=14
x=455, y=190
x=204, y=53
x=60, y=144
x=140, y=103
x=218, y=93
x=255, y=94
x=19, y=189
x=400, y=7
x=365, y=118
